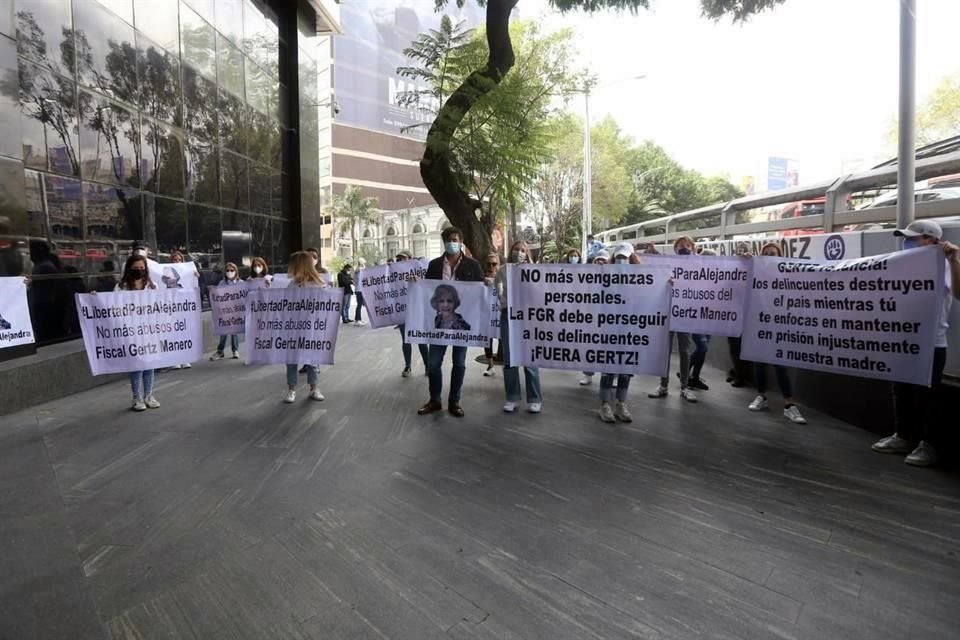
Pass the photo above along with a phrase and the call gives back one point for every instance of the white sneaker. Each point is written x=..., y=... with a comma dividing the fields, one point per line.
x=759, y=404
x=236, y=355
x=186, y=365
x=138, y=405
x=535, y=407
x=660, y=392
x=152, y=402
x=688, y=395
x=216, y=356
x=893, y=444
x=606, y=412
x=359, y=323
x=621, y=413
x=585, y=380
x=316, y=395
x=406, y=372
x=923, y=456
x=792, y=414
x=291, y=396
x=509, y=407
x=488, y=372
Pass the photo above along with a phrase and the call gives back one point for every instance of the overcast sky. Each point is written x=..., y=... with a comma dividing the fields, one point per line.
x=815, y=80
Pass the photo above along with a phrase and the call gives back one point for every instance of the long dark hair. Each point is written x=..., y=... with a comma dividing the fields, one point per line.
x=128, y=280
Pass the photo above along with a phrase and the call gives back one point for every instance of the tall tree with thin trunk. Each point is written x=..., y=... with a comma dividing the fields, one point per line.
x=352, y=209
x=438, y=167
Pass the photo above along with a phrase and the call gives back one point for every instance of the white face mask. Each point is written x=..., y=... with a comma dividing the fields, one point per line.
x=231, y=274
x=258, y=270
x=141, y=252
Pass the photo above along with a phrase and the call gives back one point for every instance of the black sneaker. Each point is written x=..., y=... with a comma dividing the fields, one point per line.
x=303, y=369
x=697, y=383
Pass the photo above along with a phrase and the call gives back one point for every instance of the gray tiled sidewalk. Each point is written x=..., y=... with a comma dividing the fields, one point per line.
x=229, y=515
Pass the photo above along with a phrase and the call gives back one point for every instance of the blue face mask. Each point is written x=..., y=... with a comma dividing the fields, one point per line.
x=911, y=243
x=683, y=251
x=574, y=259
x=452, y=248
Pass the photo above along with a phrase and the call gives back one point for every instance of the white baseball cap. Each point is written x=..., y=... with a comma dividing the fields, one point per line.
x=921, y=228
x=624, y=249
x=602, y=255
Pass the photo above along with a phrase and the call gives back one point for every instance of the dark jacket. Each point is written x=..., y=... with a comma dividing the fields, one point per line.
x=345, y=282
x=468, y=270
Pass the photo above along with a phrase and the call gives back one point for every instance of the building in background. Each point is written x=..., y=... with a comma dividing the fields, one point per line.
x=375, y=143
x=190, y=125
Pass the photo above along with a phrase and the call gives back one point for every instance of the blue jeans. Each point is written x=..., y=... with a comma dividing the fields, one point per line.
x=408, y=350
x=699, y=355
x=437, y=353
x=760, y=375
x=141, y=382
x=358, y=317
x=293, y=381
x=345, y=309
x=511, y=375
x=234, y=343
x=606, y=386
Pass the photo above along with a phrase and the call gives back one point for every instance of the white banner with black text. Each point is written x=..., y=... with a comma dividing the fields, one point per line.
x=296, y=325
x=386, y=290
x=603, y=318
x=874, y=317
x=139, y=330
x=15, y=325
x=228, y=307
x=448, y=312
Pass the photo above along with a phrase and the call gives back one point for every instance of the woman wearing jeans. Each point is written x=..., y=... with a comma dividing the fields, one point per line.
x=511, y=375
x=136, y=278
x=790, y=410
x=230, y=276
x=303, y=274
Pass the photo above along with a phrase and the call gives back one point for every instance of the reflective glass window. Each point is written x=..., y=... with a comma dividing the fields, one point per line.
x=14, y=220
x=234, y=179
x=233, y=118
x=166, y=224
x=281, y=243
x=10, y=136
x=260, y=188
x=236, y=237
x=163, y=158
x=159, y=70
x=205, y=241
x=229, y=14
x=7, y=20
x=114, y=220
x=106, y=57
x=229, y=67
x=49, y=119
x=262, y=90
x=204, y=8
x=45, y=34
x=64, y=214
x=121, y=8
x=276, y=138
x=261, y=240
x=109, y=141
x=259, y=139
x=280, y=186
x=199, y=42
x=157, y=19
x=202, y=182
x=200, y=105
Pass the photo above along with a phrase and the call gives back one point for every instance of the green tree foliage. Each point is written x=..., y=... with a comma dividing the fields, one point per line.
x=938, y=117
x=351, y=209
x=438, y=166
x=506, y=137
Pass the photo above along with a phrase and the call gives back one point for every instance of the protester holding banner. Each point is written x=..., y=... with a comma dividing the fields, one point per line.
x=303, y=274
x=919, y=417
x=511, y=375
x=489, y=276
x=610, y=412
x=259, y=273
x=701, y=343
x=231, y=276
x=407, y=347
x=136, y=278
x=790, y=410
x=573, y=257
x=682, y=246
x=452, y=265
x=601, y=257
x=358, y=318
x=345, y=282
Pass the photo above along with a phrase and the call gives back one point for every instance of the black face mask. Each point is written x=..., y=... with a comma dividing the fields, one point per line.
x=137, y=273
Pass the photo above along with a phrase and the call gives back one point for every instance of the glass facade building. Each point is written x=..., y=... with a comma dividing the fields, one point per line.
x=185, y=125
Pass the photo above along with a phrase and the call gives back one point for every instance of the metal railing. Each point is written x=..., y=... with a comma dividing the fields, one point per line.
x=834, y=217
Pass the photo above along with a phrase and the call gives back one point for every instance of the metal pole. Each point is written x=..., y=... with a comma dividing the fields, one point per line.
x=587, y=172
x=906, y=154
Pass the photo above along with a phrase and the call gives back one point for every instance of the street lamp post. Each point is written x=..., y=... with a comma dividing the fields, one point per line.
x=587, y=217
x=906, y=161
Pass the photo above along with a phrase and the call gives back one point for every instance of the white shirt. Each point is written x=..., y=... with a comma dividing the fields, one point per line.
x=450, y=270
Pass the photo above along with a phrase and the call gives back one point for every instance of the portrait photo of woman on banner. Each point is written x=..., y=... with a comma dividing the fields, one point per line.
x=445, y=302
